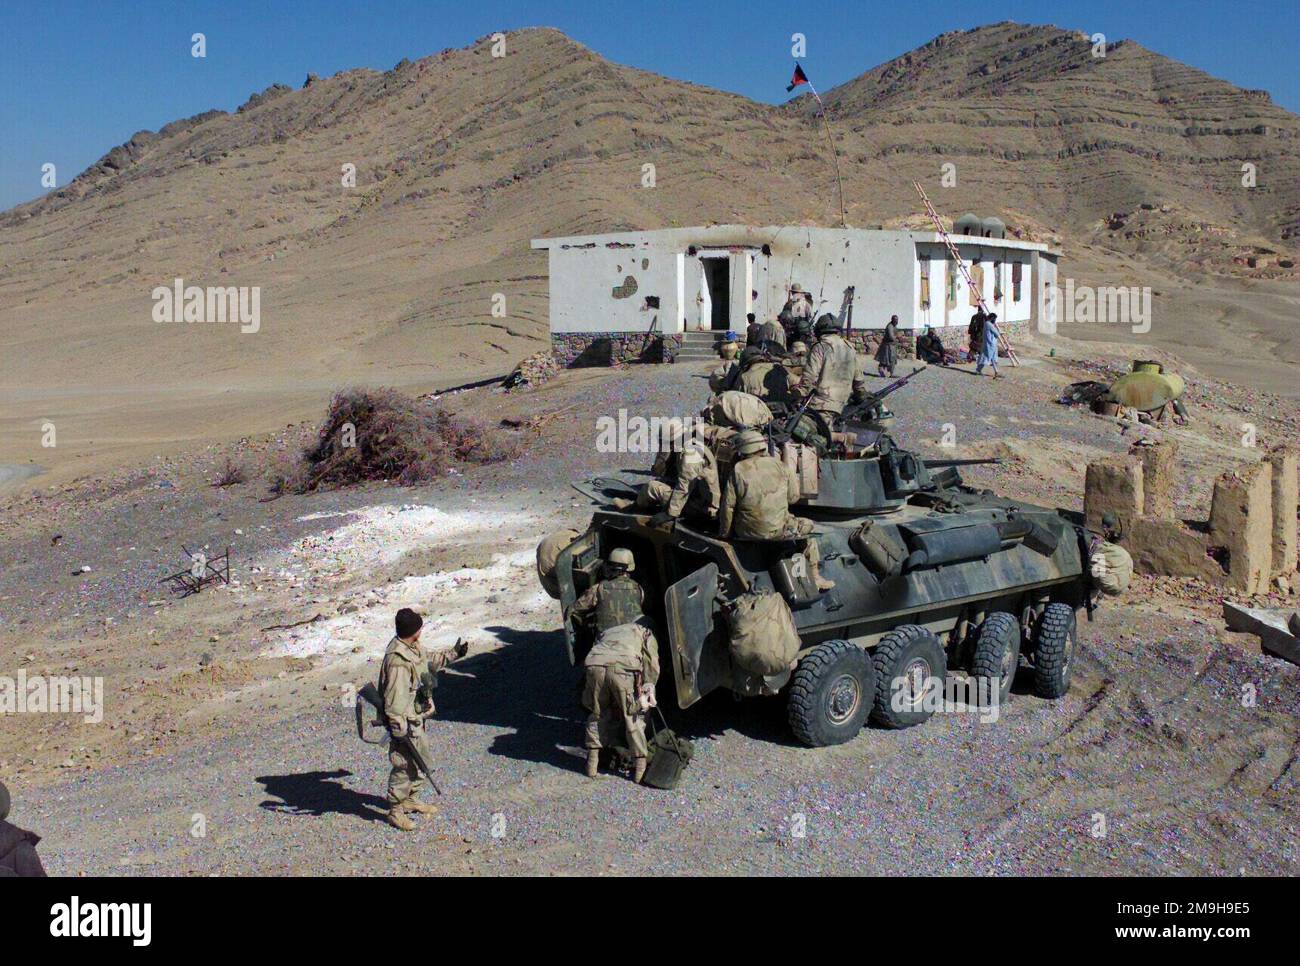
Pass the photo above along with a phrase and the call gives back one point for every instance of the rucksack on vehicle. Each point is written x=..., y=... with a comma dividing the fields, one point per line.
x=739, y=410
x=764, y=640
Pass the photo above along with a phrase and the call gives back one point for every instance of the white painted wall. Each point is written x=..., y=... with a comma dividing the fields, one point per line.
x=883, y=267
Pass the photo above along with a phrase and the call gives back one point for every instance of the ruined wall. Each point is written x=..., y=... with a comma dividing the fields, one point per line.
x=1250, y=536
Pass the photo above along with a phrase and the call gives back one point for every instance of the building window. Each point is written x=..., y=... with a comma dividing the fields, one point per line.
x=977, y=283
x=1015, y=281
x=925, y=283
x=997, y=281
x=952, y=283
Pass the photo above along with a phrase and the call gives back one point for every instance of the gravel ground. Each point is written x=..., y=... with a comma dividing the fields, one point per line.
x=1154, y=742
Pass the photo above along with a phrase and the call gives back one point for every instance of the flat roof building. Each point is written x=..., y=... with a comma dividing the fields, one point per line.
x=637, y=294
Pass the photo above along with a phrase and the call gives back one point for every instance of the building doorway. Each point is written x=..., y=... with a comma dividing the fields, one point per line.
x=717, y=291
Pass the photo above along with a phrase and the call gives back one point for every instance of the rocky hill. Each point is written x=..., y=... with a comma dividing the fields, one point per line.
x=1131, y=162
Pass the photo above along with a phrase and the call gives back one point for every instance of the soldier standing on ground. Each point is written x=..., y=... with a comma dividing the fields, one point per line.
x=798, y=307
x=18, y=858
x=616, y=599
x=399, y=683
x=619, y=677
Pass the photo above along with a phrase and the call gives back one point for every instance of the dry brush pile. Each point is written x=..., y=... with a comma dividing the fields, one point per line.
x=380, y=434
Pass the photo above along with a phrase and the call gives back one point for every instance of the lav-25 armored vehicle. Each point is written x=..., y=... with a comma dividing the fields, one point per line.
x=931, y=576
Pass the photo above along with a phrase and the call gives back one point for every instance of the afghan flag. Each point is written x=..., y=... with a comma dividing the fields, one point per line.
x=799, y=78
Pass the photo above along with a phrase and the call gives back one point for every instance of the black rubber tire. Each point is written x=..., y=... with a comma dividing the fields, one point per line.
x=1054, y=641
x=827, y=676
x=997, y=643
x=896, y=650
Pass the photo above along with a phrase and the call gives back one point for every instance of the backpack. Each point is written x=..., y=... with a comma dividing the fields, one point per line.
x=764, y=640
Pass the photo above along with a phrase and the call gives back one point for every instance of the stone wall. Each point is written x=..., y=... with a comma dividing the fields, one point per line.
x=575, y=350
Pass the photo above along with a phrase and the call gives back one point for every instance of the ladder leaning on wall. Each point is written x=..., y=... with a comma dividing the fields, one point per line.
x=961, y=266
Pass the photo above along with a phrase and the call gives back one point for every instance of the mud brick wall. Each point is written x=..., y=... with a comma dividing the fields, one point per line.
x=1241, y=521
x=1113, y=486
x=1159, y=474
x=1284, y=460
x=575, y=350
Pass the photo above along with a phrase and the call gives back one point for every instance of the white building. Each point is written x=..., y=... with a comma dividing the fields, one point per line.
x=633, y=294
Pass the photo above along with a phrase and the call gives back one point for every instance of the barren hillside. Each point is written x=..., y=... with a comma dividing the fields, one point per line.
x=461, y=158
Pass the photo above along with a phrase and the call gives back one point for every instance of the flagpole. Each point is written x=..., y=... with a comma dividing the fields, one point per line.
x=835, y=155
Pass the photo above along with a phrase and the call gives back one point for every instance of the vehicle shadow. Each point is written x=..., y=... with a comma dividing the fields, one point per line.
x=527, y=687
x=319, y=793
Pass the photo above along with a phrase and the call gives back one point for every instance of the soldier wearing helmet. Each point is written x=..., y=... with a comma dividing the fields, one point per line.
x=756, y=501
x=622, y=667
x=831, y=372
x=616, y=599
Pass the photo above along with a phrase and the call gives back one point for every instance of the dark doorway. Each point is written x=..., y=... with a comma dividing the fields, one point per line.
x=717, y=276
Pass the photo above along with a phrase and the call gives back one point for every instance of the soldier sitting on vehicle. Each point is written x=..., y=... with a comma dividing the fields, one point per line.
x=619, y=677
x=763, y=376
x=689, y=487
x=831, y=373
x=756, y=501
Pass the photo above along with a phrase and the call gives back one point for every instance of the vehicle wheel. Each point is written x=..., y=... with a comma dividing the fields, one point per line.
x=997, y=654
x=831, y=694
x=1054, y=651
x=913, y=655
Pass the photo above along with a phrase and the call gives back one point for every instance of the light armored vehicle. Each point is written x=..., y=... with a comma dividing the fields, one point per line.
x=935, y=583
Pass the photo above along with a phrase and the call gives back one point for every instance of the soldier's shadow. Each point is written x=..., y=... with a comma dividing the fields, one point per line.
x=318, y=793
x=527, y=687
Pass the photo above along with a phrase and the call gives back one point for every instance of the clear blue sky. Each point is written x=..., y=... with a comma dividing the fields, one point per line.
x=78, y=78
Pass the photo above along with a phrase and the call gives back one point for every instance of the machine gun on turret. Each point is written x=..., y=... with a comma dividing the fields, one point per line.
x=870, y=411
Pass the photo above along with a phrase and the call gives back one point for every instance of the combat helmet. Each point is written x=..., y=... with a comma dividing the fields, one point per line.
x=826, y=323
x=750, y=442
x=621, y=559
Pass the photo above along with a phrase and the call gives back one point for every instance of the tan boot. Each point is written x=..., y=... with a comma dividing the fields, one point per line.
x=593, y=763
x=419, y=807
x=638, y=770
x=398, y=818
x=814, y=557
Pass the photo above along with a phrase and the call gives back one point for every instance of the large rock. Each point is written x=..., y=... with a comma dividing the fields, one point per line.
x=1270, y=626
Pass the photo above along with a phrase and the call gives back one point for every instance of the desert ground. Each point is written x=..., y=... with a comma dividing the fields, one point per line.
x=229, y=713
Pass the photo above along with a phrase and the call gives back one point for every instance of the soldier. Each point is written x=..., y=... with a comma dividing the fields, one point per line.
x=691, y=487
x=831, y=372
x=1110, y=564
x=616, y=599
x=752, y=329
x=762, y=377
x=620, y=673
x=18, y=858
x=771, y=334
x=798, y=307
x=406, y=710
x=756, y=501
